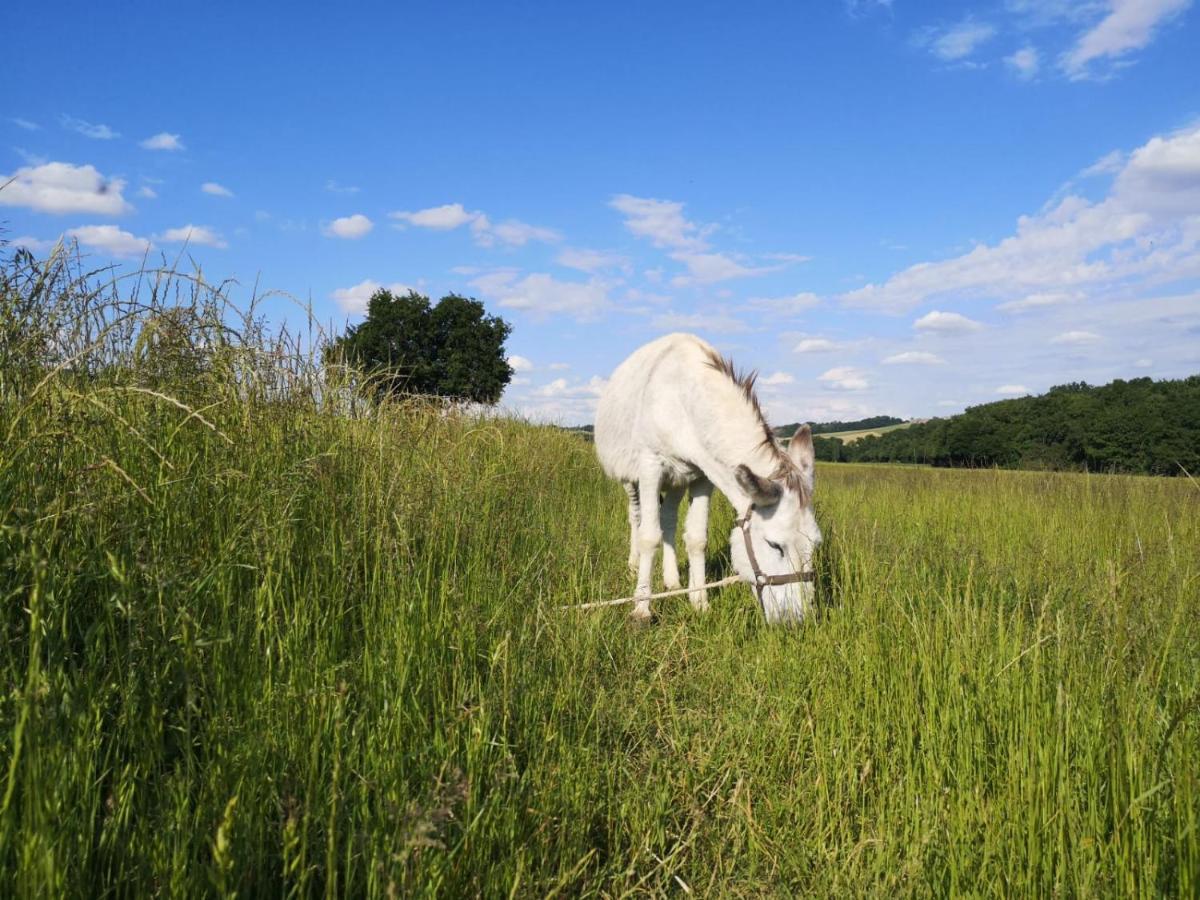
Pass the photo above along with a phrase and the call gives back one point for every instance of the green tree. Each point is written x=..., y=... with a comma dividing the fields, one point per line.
x=453, y=349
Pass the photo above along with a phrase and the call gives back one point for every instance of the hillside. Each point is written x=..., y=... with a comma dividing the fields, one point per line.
x=1140, y=426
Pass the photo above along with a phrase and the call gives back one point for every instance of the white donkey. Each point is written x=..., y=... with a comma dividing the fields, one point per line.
x=674, y=416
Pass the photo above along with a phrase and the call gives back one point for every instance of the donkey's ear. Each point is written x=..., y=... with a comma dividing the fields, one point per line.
x=762, y=491
x=801, y=450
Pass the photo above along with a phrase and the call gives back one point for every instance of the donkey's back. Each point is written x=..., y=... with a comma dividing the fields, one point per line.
x=648, y=405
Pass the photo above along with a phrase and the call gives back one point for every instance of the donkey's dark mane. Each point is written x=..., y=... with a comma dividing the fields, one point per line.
x=785, y=470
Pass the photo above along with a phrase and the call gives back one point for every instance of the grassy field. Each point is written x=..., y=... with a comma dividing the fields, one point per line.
x=849, y=437
x=259, y=643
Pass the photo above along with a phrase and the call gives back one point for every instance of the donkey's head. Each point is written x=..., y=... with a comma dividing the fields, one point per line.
x=774, y=543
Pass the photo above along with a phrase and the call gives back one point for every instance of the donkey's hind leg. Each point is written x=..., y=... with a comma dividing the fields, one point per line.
x=649, y=536
x=635, y=520
x=670, y=518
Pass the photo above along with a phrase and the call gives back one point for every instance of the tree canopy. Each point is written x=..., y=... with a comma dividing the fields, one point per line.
x=1140, y=426
x=453, y=349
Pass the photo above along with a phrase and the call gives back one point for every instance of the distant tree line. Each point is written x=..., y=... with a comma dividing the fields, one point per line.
x=1140, y=426
x=786, y=431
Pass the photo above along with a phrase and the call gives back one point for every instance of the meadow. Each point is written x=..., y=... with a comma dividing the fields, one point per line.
x=261, y=639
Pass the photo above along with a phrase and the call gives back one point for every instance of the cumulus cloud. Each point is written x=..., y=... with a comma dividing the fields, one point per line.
x=661, y=222
x=87, y=129
x=560, y=387
x=348, y=227
x=777, y=379
x=1145, y=228
x=1129, y=25
x=354, y=300
x=487, y=233
x=193, y=234
x=1040, y=301
x=1024, y=63
x=32, y=244
x=938, y=322
x=956, y=42
x=709, y=268
x=520, y=363
x=163, y=141
x=913, y=358
x=817, y=345
x=844, y=378
x=110, y=239
x=216, y=190
x=543, y=294
x=1075, y=338
x=59, y=188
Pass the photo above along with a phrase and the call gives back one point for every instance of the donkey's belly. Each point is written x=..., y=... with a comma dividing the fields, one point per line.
x=679, y=473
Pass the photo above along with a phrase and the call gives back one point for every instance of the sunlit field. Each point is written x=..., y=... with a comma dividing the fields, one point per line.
x=261, y=641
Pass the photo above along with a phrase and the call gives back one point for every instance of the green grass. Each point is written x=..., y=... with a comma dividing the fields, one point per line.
x=257, y=645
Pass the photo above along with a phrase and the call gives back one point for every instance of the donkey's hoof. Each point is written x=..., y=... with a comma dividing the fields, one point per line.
x=640, y=617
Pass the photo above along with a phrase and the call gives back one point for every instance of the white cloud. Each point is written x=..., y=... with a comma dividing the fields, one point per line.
x=25, y=124
x=64, y=188
x=913, y=357
x=1129, y=26
x=87, y=129
x=441, y=218
x=542, y=294
x=32, y=244
x=487, y=233
x=195, y=235
x=560, y=387
x=708, y=268
x=1143, y=363
x=817, y=345
x=110, y=239
x=1146, y=227
x=146, y=192
x=335, y=187
x=715, y=323
x=348, y=227
x=844, y=378
x=163, y=141
x=217, y=190
x=1012, y=390
x=591, y=261
x=938, y=322
x=1109, y=164
x=558, y=366
x=1024, y=62
x=510, y=232
x=520, y=363
x=777, y=379
x=1075, y=338
x=354, y=300
x=660, y=221
x=1041, y=301
x=956, y=42
x=783, y=306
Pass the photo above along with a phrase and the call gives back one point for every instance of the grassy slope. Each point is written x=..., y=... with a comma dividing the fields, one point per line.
x=309, y=652
x=849, y=437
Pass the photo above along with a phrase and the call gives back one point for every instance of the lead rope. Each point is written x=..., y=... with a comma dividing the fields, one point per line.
x=760, y=579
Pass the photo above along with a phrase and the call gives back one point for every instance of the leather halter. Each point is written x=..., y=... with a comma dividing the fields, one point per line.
x=761, y=579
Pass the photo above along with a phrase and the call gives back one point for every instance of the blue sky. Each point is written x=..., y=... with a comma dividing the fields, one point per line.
x=885, y=207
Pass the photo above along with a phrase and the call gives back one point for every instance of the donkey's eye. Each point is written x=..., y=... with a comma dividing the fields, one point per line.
x=774, y=546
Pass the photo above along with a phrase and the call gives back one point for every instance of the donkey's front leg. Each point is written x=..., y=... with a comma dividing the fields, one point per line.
x=649, y=537
x=670, y=518
x=695, y=537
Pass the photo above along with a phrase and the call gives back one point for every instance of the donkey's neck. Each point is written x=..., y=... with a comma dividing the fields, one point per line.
x=736, y=435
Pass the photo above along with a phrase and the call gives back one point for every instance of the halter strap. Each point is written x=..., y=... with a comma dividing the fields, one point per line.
x=761, y=579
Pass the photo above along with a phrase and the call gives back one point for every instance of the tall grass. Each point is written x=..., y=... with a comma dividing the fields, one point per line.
x=260, y=642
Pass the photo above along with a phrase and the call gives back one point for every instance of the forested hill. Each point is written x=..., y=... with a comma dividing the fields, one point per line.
x=786, y=431
x=1140, y=426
